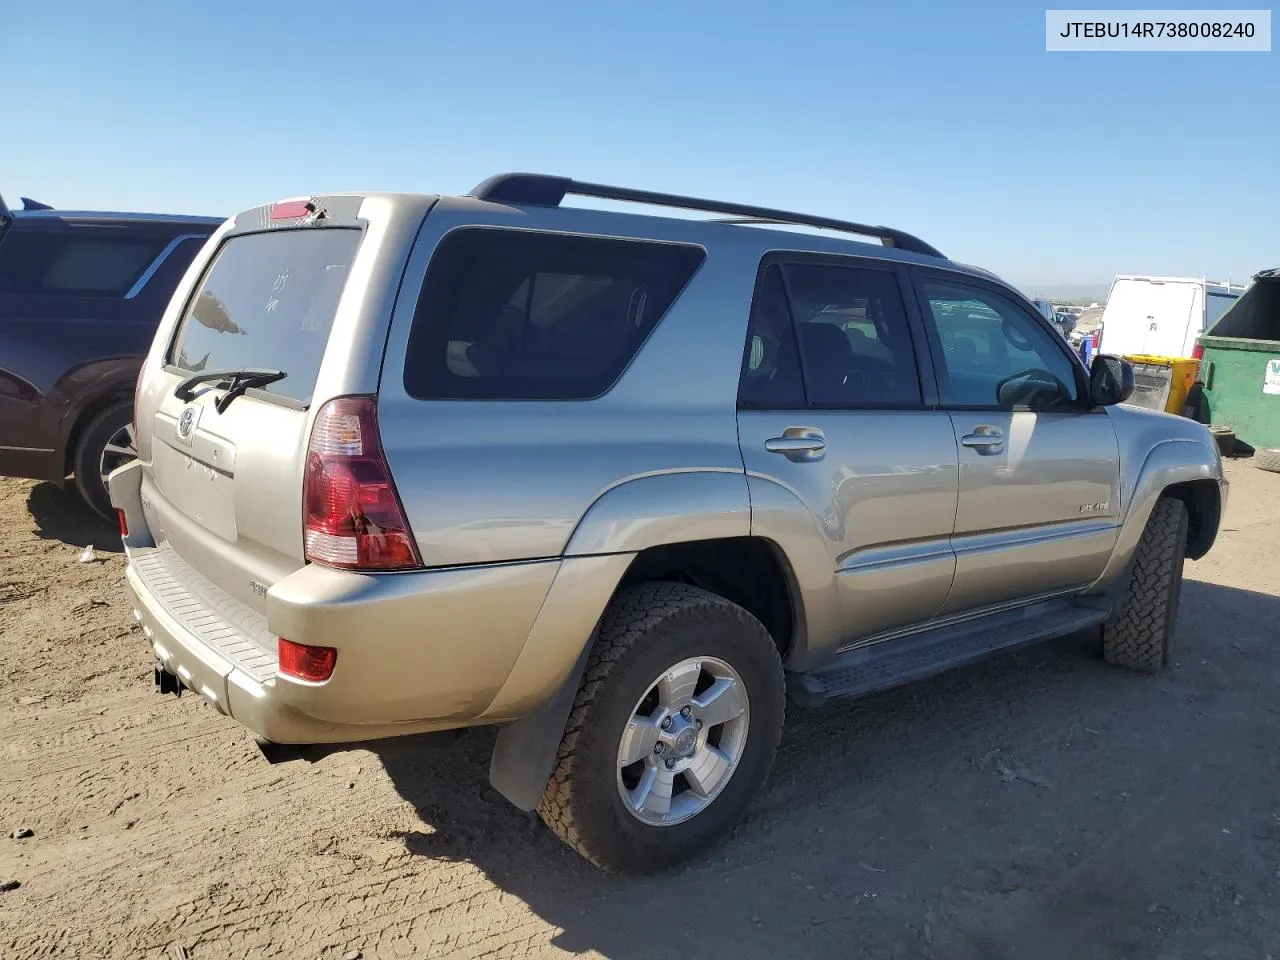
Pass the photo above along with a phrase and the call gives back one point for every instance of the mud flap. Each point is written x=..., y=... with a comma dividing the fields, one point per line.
x=525, y=753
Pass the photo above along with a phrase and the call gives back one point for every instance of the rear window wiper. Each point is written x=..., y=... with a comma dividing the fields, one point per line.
x=236, y=382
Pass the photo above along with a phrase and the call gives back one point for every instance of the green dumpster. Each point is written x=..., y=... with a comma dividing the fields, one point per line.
x=1240, y=366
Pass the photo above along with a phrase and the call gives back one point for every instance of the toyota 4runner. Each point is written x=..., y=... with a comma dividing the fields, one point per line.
x=623, y=485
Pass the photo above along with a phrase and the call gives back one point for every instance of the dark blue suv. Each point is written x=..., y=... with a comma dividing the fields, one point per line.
x=81, y=295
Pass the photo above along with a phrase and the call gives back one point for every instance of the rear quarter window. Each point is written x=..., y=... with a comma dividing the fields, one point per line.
x=267, y=301
x=73, y=264
x=522, y=315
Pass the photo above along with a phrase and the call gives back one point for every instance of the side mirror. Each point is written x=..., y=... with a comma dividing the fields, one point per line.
x=1110, y=380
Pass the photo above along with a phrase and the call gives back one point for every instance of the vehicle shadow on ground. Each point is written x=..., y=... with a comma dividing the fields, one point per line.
x=920, y=822
x=60, y=513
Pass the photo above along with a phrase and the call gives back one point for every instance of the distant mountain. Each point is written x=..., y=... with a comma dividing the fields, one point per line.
x=1069, y=291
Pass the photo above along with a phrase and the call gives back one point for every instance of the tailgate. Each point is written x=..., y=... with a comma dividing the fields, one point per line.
x=223, y=489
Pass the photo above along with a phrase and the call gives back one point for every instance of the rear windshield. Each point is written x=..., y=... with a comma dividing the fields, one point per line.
x=521, y=315
x=267, y=302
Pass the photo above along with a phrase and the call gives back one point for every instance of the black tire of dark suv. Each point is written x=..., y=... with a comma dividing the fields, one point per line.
x=88, y=461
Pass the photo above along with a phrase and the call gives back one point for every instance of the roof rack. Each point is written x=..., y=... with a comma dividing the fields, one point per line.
x=541, y=190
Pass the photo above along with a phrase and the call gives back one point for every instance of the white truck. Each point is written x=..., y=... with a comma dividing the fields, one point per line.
x=1161, y=316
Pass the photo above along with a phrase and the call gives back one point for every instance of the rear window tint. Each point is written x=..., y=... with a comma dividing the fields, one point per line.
x=519, y=315
x=268, y=301
x=70, y=265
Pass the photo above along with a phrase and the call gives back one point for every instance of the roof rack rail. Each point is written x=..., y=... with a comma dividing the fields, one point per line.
x=541, y=190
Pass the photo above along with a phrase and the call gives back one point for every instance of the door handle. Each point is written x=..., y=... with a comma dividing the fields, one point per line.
x=798, y=443
x=984, y=440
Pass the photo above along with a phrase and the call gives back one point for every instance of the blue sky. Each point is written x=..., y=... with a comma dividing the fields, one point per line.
x=947, y=120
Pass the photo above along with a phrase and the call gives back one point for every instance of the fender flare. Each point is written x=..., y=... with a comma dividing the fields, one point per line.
x=657, y=509
x=638, y=513
x=83, y=393
x=779, y=515
x=1168, y=463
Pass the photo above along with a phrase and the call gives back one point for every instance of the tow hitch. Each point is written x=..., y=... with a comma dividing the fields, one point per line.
x=166, y=682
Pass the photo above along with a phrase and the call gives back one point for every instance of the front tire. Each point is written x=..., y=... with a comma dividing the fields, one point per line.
x=1140, y=637
x=105, y=444
x=672, y=732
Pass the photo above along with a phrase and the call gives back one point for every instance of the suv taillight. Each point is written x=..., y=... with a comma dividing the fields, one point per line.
x=1197, y=352
x=352, y=517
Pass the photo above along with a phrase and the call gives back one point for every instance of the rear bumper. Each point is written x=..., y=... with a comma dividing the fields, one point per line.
x=416, y=652
x=227, y=688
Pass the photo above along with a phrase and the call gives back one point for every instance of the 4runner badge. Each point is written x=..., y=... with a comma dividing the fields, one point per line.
x=187, y=423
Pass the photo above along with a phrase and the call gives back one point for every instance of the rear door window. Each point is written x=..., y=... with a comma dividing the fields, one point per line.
x=267, y=301
x=854, y=342
x=67, y=263
x=833, y=334
x=522, y=315
x=771, y=376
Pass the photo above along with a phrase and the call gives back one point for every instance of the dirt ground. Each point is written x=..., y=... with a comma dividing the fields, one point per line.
x=1040, y=805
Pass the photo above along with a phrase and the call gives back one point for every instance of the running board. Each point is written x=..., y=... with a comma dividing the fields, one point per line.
x=891, y=663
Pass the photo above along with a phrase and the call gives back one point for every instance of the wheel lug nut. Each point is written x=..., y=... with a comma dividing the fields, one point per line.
x=698, y=724
x=686, y=712
x=666, y=723
x=657, y=748
x=671, y=762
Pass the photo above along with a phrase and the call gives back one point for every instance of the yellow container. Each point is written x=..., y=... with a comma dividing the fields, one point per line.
x=1180, y=372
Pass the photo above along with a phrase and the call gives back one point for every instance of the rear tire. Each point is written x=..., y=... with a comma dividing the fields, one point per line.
x=1140, y=637
x=103, y=445
x=650, y=633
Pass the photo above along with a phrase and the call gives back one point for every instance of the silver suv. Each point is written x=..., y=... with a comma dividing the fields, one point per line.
x=623, y=484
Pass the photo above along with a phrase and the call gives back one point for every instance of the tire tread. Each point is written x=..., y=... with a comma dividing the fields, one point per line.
x=634, y=614
x=1139, y=637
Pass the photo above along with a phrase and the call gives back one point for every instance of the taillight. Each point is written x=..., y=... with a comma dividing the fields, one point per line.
x=352, y=516
x=314, y=664
x=1197, y=352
